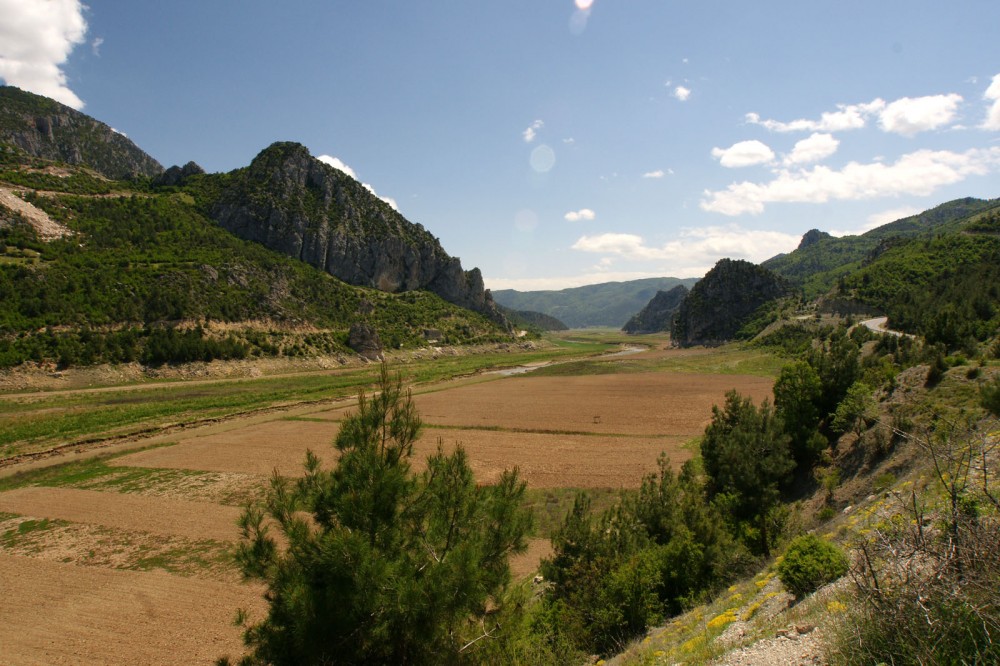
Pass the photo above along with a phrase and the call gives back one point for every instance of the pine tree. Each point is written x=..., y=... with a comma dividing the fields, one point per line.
x=389, y=566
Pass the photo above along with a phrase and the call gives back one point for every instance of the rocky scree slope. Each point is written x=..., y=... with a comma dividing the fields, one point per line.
x=44, y=128
x=292, y=203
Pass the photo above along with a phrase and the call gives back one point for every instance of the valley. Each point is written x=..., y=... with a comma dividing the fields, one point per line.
x=141, y=537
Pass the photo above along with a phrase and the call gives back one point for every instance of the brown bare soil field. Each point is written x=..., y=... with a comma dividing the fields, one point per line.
x=159, y=515
x=63, y=614
x=632, y=404
x=545, y=460
x=526, y=564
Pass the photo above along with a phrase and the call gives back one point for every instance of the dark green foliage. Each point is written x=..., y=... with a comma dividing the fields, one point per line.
x=797, y=394
x=658, y=314
x=836, y=363
x=945, y=288
x=810, y=563
x=655, y=554
x=990, y=396
x=730, y=295
x=140, y=264
x=392, y=567
x=747, y=458
x=855, y=411
x=817, y=265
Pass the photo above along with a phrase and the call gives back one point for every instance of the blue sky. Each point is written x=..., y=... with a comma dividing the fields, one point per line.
x=555, y=143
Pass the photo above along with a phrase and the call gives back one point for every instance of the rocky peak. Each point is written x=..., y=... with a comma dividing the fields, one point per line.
x=175, y=175
x=291, y=202
x=42, y=127
x=721, y=302
x=812, y=237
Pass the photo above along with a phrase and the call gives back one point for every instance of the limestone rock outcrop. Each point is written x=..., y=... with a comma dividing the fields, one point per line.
x=291, y=202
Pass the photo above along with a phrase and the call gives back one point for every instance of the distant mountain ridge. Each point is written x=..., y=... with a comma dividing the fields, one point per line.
x=609, y=304
x=42, y=127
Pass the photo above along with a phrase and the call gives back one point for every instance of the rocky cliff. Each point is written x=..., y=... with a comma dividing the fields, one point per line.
x=719, y=305
x=291, y=202
x=658, y=313
x=44, y=128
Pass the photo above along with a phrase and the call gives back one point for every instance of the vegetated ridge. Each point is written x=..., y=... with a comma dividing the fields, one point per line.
x=42, y=127
x=609, y=304
x=719, y=305
x=821, y=259
x=658, y=313
x=141, y=272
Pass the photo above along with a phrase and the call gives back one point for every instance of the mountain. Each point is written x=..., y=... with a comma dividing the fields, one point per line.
x=609, y=304
x=94, y=269
x=659, y=312
x=41, y=127
x=821, y=259
x=943, y=285
x=723, y=301
x=294, y=204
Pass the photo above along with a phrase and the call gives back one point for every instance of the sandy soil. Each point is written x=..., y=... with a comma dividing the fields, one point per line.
x=63, y=614
x=159, y=515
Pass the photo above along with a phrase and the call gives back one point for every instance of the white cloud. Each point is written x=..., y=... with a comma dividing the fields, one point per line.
x=95, y=46
x=846, y=117
x=992, y=93
x=682, y=93
x=910, y=116
x=336, y=163
x=36, y=38
x=877, y=220
x=696, y=250
x=578, y=215
x=659, y=173
x=918, y=173
x=532, y=131
x=817, y=147
x=743, y=154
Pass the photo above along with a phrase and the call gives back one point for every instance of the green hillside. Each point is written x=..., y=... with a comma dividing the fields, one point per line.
x=146, y=275
x=821, y=260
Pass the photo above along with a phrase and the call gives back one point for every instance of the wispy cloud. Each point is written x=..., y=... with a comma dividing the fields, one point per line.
x=992, y=94
x=659, y=173
x=907, y=116
x=532, y=131
x=338, y=164
x=743, y=154
x=918, y=173
x=579, y=215
x=682, y=93
x=36, y=39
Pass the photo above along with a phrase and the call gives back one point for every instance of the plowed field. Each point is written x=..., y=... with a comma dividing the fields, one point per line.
x=600, y=431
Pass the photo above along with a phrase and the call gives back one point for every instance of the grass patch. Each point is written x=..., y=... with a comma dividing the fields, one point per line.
x=550, y=505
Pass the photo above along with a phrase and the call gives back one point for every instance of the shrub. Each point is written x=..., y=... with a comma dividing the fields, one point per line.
x=811, y=563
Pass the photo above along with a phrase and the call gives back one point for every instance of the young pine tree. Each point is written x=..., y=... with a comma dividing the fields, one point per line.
x=377, y=564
